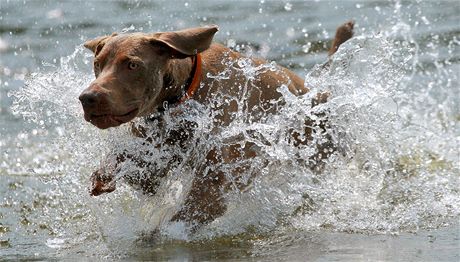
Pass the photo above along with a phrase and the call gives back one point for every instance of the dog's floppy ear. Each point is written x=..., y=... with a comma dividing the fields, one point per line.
x=98, y=43
x=186, y=42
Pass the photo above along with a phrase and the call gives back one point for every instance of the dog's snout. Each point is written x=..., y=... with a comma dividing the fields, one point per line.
x=89, y=99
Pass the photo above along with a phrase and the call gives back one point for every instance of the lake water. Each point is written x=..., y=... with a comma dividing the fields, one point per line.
x=392, y=192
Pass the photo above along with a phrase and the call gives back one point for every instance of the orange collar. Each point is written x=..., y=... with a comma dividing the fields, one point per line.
x=196, y=80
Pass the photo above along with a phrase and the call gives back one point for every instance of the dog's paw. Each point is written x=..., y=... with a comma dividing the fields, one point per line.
x=101, y=183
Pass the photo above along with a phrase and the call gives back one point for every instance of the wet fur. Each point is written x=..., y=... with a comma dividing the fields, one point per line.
x=168, y=68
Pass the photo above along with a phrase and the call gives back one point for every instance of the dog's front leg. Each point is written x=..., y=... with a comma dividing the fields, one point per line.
x=101, y=183
x=205, y=201
x=103, y=179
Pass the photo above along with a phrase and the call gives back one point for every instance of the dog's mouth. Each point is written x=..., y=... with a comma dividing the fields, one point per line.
x=106, y=120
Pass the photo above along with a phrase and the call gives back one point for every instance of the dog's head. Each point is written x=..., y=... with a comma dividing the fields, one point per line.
x=130, y=72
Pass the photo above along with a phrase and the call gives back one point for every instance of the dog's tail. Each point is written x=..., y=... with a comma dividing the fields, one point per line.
x=343, y=33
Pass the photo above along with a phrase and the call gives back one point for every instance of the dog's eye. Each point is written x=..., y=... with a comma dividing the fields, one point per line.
x=133, y=66
x=97, y=66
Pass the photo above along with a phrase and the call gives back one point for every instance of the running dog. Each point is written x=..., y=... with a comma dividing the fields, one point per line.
x=137, y=73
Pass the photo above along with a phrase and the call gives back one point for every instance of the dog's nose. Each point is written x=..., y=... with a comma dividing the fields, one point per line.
x=88, y=99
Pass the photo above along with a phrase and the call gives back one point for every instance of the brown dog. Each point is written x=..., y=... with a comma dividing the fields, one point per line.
x=136, y=73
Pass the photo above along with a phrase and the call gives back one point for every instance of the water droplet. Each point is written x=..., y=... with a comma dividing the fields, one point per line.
x=290, y=32
x=288, y=7
x=231, y=43
x=306, y=47
x=425, y=20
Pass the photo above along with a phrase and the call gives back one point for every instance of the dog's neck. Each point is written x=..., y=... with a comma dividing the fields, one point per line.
x=176, y=81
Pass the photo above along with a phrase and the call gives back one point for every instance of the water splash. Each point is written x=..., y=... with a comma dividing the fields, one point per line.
x=394, y=120
x=399, y=172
